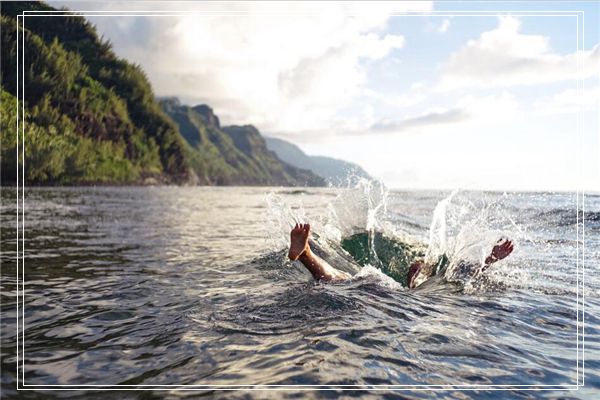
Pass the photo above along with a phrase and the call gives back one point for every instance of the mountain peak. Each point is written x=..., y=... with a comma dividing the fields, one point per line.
x=243, y=129
x=169, y=102
x=207, y=114
x=233, y=154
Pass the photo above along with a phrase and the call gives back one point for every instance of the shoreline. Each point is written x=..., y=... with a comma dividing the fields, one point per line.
x=392, y=190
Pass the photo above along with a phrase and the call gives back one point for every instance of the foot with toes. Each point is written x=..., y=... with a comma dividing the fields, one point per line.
x=299, y=241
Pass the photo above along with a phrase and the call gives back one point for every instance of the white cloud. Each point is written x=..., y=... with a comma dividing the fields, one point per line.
x=490, y=109
x=468, y=112
x=413, y=96
x=569, y=101
x=286, y=67
x=431, y=118
x=506, y=57
x=443, y=28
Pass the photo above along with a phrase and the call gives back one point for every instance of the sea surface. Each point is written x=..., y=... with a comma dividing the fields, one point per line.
x=173, y=286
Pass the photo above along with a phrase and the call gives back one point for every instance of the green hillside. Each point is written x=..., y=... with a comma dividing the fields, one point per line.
x=91, y=117
x=231, y=155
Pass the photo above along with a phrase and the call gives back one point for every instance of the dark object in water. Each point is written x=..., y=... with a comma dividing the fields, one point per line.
x=391, y=256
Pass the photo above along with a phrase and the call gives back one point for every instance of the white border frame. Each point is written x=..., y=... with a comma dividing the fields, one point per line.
x=254, y=387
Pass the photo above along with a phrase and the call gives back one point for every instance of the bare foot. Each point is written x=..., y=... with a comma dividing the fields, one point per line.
x=298, y=241
x=501, y=250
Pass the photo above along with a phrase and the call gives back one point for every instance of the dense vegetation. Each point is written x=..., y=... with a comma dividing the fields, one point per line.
x=91, y=117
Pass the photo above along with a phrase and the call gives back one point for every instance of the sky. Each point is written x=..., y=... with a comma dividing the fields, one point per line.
x=468, y=95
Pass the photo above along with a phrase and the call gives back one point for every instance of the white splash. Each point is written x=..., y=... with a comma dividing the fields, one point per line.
x=438, y=241
x=370, y=272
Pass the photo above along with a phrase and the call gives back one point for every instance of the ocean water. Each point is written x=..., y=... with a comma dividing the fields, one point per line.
x=172, y=286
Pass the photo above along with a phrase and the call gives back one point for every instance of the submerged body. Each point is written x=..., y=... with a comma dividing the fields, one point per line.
x=418, y=273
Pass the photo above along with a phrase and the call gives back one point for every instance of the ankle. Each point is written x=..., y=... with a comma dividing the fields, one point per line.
x=307, y=253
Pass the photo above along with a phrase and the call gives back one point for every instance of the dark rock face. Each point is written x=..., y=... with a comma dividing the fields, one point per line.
x=207, y=114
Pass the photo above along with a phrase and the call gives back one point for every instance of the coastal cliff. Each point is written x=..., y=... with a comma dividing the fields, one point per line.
x=93, y=118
